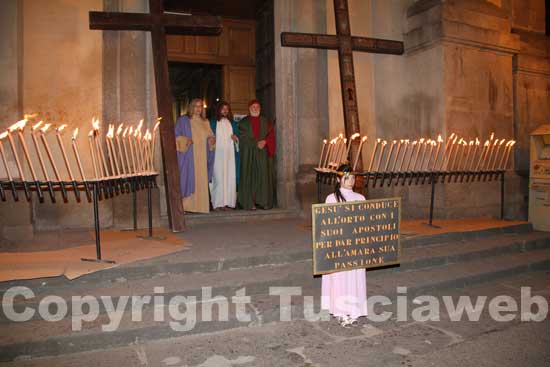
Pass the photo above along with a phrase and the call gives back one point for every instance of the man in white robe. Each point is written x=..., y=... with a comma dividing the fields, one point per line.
x=223, y=188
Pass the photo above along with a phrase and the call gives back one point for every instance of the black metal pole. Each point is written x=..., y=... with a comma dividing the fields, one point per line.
x=502, y=196
x=2, y=195
x=96, y=224
x=134, y=204
x=14, y=191
x=150, y=207
x=432, y=199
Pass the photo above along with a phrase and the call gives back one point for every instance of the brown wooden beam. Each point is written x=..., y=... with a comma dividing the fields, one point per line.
x=377, y=46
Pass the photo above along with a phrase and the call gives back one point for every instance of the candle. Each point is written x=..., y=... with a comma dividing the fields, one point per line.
x=99, y=148
x=119, y=148
x=126, y=150
x=427, y=144
x=462, y=153
x=139, y=154
x=110, y=149
x=37, y=148
x=483, y=154
x=452, y=158
x=12, y=145
x=341, y=157
x=470, y=166
x=132, y=149
x=430, y=154
x=384, y=143
x=466, y=161
x=8, y=172
x=493, y=166
x=447, y=159
x=351, y=138
x=149, y=139
x=420, y=146
x=25, y=148
x=62, y=148
x=336, y=151
x=414, y=145
x=155, y=140
x=322, y=151
x=92, y=153
x=448, y=145
x=489, y=156
x=511, y=142
x=399, y=145
x=329, y=152
x=373, y=154
x=393, y=143
x=439, y=141
x=406, y=142
x=77, y=154
x=43, y=131
x=363, y=140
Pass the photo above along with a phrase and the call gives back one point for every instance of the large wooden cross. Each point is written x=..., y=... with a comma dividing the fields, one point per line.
x=161, y=23
x=345, y=44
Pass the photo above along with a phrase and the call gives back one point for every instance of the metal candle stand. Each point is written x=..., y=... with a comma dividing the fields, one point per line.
x=325, y=177
x=95, y=190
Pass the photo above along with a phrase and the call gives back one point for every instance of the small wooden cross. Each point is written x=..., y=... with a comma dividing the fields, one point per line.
x=161, y=23
x=345, y=44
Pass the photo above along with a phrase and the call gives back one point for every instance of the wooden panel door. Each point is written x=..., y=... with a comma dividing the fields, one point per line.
x=239, y=86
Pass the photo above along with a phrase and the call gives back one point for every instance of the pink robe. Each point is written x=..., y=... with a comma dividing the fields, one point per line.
x=345, y=292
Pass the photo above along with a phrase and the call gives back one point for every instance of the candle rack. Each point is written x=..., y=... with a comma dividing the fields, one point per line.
x=388, y=179
x=94, y=190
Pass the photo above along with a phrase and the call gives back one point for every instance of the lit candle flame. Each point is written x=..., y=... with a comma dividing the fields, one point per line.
x=95, y=124
x=439, y=139
x=110, y=132
x=354, y=136
x=364, y=138
x=119, y=130
x=471, y=142
x=91, y=133
x=45, y=128
x=75, y=133
x=324, y=141
x=28, y=116
x=3, y=135
x=477, y=141
x=37, y=125
x=125, y=132
x=60, y=128
x=18, y=125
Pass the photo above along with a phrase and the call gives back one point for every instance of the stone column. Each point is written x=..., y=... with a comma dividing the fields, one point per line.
x=301, y=100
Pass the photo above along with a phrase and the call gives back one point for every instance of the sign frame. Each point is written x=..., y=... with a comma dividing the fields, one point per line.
x=314, y=239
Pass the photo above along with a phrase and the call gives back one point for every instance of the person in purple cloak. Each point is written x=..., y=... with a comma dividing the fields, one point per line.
x=195, y=145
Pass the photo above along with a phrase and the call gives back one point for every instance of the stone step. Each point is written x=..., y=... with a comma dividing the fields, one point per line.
x=412, y=258
x=239, y=216
x=40, y=338
x=181, y=263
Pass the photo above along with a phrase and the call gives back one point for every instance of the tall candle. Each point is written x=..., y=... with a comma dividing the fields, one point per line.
x=512, y=143
x=62, y=148
x=329, y=153
x=482, y=155
x=406, y=142
x=462, y=153
x=126, y=156
x=92, y=153
x=322, y=151
x=430, y=154
x=373, y=154
x=363, y=140
x=43, y=131
x=489, y=157
x=427, y=144
x=467, y=159
x=38, y=151
x=448, y=145
x=392, y=146
x=399, y=145
x=493, y=166
x=350, y=142
x=155, y=129
x=109, y=141
x=132, y=150
x=77, y=154
x=420, y=147
x=409, y=161
x=25, y=148
x=8, y=172
x=119, y=148
x=341, y=157
x=14, y=150
x=470, y=166
x=99, y=148
x=439, y=141
x=384, y=143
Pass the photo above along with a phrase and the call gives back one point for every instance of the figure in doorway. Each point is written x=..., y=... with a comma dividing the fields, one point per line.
x=257, y=149
x=223, y=188
x=195, y=144
x=344, y=294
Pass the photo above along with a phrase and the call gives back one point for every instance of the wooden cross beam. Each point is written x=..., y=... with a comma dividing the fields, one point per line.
x=345, y=44
x=161, y=23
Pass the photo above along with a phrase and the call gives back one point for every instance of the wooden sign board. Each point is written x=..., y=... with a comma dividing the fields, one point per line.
x=356, y=235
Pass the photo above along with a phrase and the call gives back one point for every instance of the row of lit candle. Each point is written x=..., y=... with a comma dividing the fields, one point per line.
x=421, y=155
x=129, y=152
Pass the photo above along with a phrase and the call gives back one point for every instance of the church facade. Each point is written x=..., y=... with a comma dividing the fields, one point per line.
x=470, y=67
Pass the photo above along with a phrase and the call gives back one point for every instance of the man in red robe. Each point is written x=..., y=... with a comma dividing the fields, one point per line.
x=257, y=150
